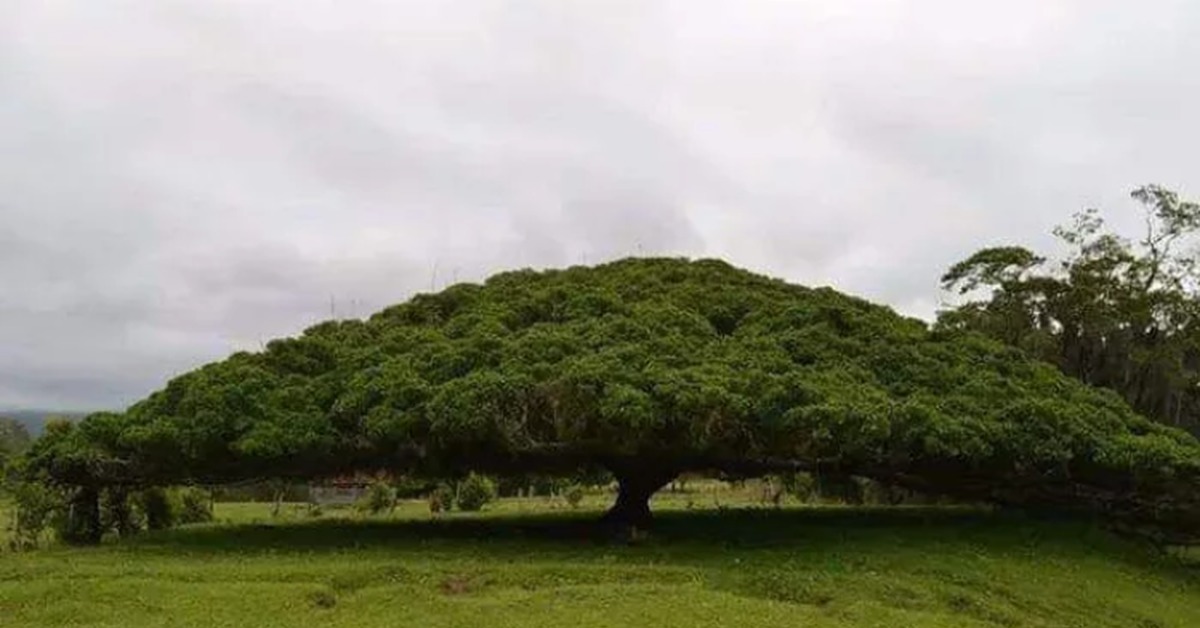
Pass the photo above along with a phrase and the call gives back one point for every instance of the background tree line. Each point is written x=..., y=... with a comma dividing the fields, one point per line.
x=1113, y=311
x=14, y=439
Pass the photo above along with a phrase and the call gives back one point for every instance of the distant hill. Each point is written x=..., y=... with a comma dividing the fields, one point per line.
x=35, y=420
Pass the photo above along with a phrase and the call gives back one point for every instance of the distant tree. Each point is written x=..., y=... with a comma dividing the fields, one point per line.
x=646, y=368
x=1117, y=313
x=14, y=439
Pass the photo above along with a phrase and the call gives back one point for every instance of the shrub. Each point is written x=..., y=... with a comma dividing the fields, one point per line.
x=193, y=506
x=159, y=510
x=37, y=505
x=474, y=492
x=574, y=495
x=380, y=496
x=441, y=499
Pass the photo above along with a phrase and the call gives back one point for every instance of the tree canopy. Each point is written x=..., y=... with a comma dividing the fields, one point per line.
x=645, y=367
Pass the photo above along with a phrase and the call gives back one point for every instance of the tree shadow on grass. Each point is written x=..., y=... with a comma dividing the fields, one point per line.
x=745, y=529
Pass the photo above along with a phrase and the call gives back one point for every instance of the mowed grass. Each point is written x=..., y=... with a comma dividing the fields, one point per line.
x=536, y=562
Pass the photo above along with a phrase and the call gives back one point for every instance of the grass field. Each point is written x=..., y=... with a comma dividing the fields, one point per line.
x=532, y=563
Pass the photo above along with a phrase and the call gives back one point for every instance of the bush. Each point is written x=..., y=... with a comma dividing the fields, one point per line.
x=193, y=506
x=37, y=505
x=475, y=492
x=441, y=499
x=574, y=495
x=380, y=496
x=159, y=510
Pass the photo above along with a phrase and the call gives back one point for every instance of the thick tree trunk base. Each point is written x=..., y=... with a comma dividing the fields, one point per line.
x=634, y=489
x=629, y=511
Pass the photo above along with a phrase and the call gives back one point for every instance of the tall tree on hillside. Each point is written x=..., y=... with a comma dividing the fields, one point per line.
x=1114, y=312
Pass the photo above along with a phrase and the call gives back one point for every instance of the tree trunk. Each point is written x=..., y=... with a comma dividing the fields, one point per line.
x=634, y=489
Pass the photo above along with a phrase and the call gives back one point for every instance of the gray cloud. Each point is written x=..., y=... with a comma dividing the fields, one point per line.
x=181, y=179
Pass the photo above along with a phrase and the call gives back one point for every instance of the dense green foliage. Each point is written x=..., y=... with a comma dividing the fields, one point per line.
x=1115, y=313
x=441, y=499
x=35, y=507
x=194, y=505
x=474, y=493
x=160, y=512
x=380, y=497
x=645, y=367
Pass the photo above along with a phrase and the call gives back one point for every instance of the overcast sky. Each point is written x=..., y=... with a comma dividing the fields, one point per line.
x=181, y=179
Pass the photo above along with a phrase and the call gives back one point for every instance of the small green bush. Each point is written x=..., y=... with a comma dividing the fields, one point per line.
x=475, y=492
x=441, y=499
x=573, y=495
x=37, y=506
x=380, y=497
x=193, y=506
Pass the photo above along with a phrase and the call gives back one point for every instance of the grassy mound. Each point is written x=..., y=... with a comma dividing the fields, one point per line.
x=811, y=567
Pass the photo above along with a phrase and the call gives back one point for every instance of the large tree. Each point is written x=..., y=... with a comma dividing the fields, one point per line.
x=647, y=368
x=1114, y=312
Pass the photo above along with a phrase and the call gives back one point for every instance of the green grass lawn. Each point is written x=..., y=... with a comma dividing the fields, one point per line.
x=535, y=562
